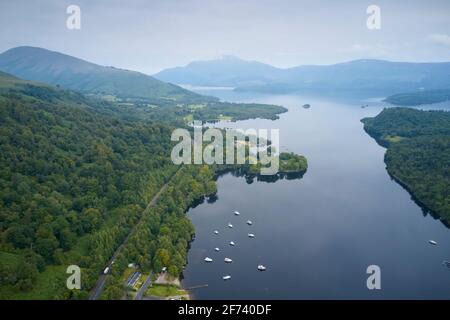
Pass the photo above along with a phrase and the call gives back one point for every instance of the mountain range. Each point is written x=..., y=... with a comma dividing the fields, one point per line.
x=360, y=77
x=364, y=76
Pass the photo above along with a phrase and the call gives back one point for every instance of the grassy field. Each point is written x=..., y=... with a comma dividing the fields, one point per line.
x=48, y=282
x=164, y=291
x=9, y=260
x=393, y=139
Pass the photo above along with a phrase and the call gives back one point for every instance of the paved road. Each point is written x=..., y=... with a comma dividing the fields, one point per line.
x=144, y=287
x=98, y=288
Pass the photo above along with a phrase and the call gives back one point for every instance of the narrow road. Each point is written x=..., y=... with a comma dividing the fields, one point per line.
x=144, y=287
x=98, y=288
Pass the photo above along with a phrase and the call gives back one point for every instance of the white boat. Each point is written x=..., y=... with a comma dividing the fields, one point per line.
x=261, y=268
x=208, y=259
x=216, y=232
x=249, y=222
x=226, y=277
x=216, y=249
x=232, y=243
x=227, y=260
x=236, y=213
x=251, y=235
x=230, y=225
x=432, y=242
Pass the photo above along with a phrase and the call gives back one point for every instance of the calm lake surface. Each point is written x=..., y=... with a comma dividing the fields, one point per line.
x=317, y=235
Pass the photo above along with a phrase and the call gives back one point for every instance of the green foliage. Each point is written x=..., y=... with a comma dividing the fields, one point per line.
x=291, y=162
x=419, y=97
x=407, y=123
x=66, y=169
x=76, y=174
x=75, y=74
x=161, y=238
x=214, y=111
x=419, y=156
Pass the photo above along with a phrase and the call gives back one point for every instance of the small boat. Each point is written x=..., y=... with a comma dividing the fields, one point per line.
x=261, y=268
x=432, y=242
x=226, y=277
x=227, y=260
x=307, y=106
x=249, y=222
x=446, y=263
x=236, y=213
x=232, y=243
x=216, y=249
x=207, y=259
x=251, y=235
x=216, y=232
x=230, y=225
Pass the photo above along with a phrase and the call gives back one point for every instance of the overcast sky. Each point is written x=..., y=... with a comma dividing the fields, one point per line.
x=149, y=35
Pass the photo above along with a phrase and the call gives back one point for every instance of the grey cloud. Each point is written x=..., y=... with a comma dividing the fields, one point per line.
x=151, y=35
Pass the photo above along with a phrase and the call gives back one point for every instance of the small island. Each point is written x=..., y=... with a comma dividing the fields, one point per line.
x=291, y=166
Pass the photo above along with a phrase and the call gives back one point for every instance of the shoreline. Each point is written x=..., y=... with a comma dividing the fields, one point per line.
x=425, y=208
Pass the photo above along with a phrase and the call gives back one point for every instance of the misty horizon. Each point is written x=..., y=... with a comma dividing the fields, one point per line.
x=153, y=36
x=223, y=57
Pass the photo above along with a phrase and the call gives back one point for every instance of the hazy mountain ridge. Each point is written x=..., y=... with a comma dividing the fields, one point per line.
x=358, y=75
x=227, y=71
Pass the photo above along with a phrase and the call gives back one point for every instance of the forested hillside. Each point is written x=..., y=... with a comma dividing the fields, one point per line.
x=39, y=64
x=66, y=171
x=76, y=174
x=418, y=153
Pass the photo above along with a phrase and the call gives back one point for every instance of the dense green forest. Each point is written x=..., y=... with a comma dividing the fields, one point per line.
x=76, y=174
x=162, y=237
x=418, y=153
x=288, y=163
x=419, y=97
x=66, y=171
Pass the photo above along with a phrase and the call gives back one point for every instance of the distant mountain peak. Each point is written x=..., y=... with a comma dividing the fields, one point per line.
x=223, y=71
x=231, y=57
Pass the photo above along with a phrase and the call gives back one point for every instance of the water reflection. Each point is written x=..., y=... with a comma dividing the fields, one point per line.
x=317, y=235
x=250, y=178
